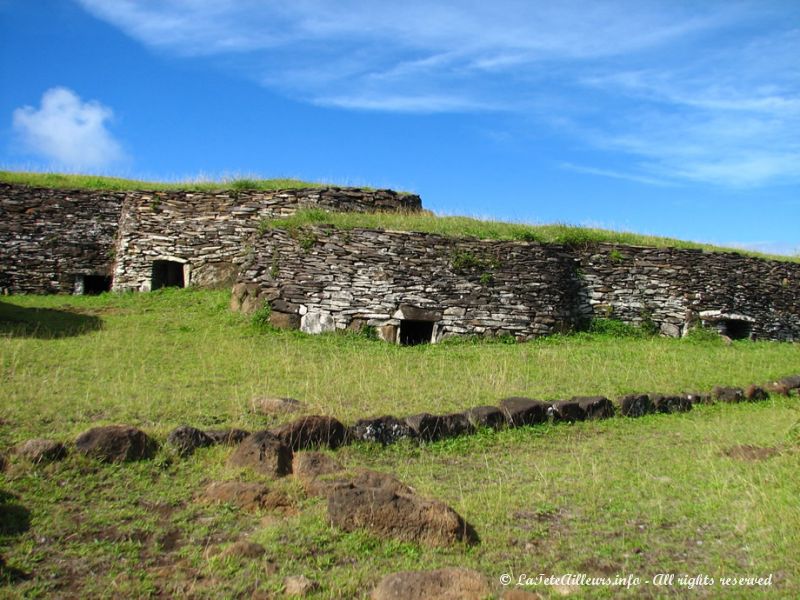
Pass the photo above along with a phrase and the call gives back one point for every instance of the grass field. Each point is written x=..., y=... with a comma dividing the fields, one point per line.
x=660, y=494
x=97, y=182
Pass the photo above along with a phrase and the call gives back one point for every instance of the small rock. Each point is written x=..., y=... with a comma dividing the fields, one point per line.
x=312, y=432
x=455, y=424
x=567, y=410
x=384, y=430
x=116, y=443
x=728, y=394
x=186, y=439
x=792, y=382
x=524, y=411
x=778, y=388
x=275, y=406
x=665, y=403
x=486, y=416
x=227, y=437
x=264, y=453
x=308, y=467
x=698, y=398
x=441, y=584
x=426, y=427
x=596, y=407
x=754, y=393
x=299, y=585
x=41, y=451
x=243, y=549
x=635, y=405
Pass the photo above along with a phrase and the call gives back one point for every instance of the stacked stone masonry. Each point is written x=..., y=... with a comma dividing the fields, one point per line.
x=324, y=279
x=48, y=237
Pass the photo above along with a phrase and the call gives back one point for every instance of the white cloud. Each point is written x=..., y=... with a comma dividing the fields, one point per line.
x=689, y=92
x=67, y=131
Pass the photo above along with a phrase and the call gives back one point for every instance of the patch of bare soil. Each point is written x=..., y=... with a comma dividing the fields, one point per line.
x=750, y=453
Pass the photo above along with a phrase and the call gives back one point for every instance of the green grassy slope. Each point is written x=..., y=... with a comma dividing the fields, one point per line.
x=625, y=496
x=96, y=182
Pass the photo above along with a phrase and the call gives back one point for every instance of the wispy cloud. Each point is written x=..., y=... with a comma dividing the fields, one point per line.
x=615, y=174
x=67, y=131
x=693, y=92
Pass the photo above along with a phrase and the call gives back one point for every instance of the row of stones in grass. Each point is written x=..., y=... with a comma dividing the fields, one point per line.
x=118, y=443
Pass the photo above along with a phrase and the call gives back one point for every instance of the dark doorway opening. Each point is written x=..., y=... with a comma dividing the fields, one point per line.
x=96, y=284
x=167, y=273
x=415, y=332
x=736, y=329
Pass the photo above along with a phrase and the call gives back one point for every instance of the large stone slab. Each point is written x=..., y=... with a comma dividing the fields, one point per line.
x=401, y=516
x=384, y=430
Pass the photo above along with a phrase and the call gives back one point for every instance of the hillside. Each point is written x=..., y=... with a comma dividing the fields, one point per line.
x=709, y=491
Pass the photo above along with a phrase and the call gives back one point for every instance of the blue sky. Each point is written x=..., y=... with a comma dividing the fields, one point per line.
x=671, y=118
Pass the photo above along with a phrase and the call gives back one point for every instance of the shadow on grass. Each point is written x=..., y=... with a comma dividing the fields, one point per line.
x=15, y=519
x=44, y=323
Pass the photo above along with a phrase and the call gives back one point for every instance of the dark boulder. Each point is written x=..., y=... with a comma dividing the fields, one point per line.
x=524, y=411
x=728, y=394
x=455, y=424
x=116, y=443
x=186, y=439
x=596, y=407
x=400, y=516
x=486, y=416
x=792, y=382
x=427, y=427
x=313, y=431
x=698, y=398
x=264, y=453
x=567, y=410
x=755, y=393
x=384, y=430
x=665, y=403
x=635, y=405
x=227, y=437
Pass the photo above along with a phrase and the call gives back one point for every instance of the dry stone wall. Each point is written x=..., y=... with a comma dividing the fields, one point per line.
x=210, y=233
x=48, y=237
x=321, y=279
x=676, y=289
